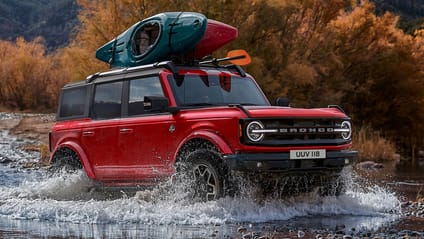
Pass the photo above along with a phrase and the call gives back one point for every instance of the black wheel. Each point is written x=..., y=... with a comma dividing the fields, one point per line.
x=206, y=176
x=65, y=159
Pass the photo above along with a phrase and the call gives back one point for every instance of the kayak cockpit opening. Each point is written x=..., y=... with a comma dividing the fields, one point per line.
x=145, y=38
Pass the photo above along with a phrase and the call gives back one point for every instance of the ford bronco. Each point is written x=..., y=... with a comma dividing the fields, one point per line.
x=134, y=126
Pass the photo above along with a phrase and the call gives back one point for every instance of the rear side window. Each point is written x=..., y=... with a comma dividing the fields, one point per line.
x=73, y=102
x=107, y=100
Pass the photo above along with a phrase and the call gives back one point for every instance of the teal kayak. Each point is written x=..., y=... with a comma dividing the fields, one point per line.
x=154, y=39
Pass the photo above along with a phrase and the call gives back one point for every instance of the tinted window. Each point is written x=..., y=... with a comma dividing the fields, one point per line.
x=140, y=88
x=73, y=102
x=222, y=89
x=107, y=100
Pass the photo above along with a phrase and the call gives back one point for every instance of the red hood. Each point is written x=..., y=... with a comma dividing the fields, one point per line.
x=262, y=112
x=275, y=111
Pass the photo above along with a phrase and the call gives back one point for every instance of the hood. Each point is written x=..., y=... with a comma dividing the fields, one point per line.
x=288, y=112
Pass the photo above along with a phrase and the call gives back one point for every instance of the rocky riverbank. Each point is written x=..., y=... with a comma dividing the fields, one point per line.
x=414, y=208
x=353, y=233
x=31, y=128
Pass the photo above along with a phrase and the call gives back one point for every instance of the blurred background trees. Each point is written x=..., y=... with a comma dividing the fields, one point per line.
x=316, y=52
x=28, y=76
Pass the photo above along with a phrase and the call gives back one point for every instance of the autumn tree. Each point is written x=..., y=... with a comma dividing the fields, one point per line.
x=28, y=75
x=386, y=83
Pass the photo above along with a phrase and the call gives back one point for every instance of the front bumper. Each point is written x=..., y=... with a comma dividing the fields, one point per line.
x=281, y=162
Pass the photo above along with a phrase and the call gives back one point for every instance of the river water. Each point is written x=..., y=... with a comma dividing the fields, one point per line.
x=36, y=204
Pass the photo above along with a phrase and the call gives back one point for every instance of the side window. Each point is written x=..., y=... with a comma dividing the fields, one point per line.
x=73, y=102
x=107, y=100
x=139, y=88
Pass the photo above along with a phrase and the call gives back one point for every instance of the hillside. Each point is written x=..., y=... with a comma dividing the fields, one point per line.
x=54, y=20
x=409, y=10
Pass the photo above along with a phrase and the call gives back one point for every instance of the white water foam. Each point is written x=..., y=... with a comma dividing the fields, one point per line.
x=66, y=198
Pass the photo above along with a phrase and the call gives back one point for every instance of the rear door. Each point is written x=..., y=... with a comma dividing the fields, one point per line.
x=100, y=136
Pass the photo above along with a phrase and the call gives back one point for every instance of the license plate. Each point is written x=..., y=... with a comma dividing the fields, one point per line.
x=308, y=154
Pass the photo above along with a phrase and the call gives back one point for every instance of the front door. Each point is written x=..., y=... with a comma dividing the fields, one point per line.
x=143, y=134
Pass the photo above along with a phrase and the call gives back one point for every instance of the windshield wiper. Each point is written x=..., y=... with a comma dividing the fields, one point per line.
x=217, y=104
x=199, y=104
x=243, y=104
x=248, y=104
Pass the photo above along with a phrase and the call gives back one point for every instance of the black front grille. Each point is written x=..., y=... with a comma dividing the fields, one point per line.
x=297, y=132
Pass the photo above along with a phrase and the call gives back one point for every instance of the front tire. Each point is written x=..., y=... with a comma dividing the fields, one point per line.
x=205, y=175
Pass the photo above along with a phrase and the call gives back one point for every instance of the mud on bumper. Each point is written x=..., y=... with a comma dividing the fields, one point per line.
x=281, y=162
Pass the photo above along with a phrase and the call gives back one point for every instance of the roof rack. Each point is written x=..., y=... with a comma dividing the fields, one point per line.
x=165, y=64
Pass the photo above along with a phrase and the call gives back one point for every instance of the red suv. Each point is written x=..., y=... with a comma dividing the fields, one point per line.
x=133, y=126
x=156, y=117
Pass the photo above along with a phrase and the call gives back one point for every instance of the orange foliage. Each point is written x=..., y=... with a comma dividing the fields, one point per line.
x=28, y=75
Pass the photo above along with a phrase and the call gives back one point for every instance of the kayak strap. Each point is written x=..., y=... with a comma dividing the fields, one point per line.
x=174, y=23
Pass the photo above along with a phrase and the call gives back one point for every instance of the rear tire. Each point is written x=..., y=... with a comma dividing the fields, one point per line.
x=65, y=159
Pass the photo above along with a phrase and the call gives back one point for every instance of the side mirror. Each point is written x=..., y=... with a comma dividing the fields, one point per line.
x=282, y=101
x=156, y=103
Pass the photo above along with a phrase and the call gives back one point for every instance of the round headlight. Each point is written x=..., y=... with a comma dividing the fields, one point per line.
x=346, y=129
x=252, y=131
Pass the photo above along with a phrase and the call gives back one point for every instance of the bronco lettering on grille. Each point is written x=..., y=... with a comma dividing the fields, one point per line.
x=306, y=130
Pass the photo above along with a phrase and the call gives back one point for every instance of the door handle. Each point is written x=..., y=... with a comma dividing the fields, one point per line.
x=87, y=133
x=125, y=130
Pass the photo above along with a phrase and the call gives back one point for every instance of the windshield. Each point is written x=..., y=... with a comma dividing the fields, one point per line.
x=222, y=89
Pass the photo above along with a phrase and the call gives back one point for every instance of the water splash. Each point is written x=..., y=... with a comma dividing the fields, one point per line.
x=68, y=198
